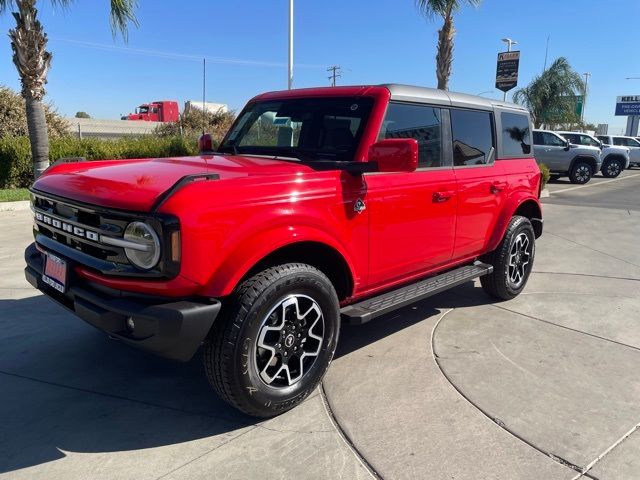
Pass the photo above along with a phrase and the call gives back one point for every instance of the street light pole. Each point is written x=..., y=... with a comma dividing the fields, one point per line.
x=584, y=99
x=290, y=81
x=509, y=43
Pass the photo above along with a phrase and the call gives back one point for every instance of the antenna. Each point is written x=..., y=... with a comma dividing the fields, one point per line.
x=336, y=72
x=546, y=53
x=204, y=90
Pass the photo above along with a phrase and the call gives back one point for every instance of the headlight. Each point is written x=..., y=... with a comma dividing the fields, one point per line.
x=146, y=252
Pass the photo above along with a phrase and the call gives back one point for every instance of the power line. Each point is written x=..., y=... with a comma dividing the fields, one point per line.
x=336, y=72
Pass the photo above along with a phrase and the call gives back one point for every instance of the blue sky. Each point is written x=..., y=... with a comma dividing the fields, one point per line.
x=375, y=41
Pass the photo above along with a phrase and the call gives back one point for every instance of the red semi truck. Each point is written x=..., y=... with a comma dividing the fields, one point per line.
x=159, y=111
x=320, y=205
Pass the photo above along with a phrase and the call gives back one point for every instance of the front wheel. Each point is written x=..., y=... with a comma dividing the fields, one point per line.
x=612, y=168
x=274, y=340
x=581, y=173
x=512, y=261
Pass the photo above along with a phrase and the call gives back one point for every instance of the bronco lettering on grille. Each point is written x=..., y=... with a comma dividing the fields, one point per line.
x=67, y=227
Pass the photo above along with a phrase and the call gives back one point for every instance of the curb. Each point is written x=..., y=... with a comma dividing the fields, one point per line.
x=545, y=193
x=14, y=206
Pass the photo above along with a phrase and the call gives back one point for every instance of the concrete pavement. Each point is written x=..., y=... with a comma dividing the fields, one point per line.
x=544, y=386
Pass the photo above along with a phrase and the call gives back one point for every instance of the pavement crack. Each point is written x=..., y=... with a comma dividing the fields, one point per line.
x=591, y=248
x=593, y=335
x=499, y=422
x=611, y=447
x=343, y=435
x=587, y=275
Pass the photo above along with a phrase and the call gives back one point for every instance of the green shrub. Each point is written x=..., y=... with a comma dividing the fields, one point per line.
x=546, y=174
x=16, y=169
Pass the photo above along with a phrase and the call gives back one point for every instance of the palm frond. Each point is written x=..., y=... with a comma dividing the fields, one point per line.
x=123, y=14
x=442, y=8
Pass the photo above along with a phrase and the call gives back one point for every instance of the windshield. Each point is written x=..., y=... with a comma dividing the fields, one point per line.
x=143, y=109
x=304, y=128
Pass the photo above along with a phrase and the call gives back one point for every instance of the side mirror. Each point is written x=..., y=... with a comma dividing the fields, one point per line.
x=395, y=154
x=567, y=145
x=205, y=143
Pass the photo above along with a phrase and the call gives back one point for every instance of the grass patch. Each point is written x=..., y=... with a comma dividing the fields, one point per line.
x=13, y=194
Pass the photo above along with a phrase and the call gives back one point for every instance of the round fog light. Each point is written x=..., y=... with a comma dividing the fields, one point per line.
x=131, y=325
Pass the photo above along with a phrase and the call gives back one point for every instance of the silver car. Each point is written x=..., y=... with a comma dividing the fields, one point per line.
x=629, y=142
x=578, y=162
x=614, y=159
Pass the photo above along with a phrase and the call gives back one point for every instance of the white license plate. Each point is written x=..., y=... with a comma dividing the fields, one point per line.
x=55, y=272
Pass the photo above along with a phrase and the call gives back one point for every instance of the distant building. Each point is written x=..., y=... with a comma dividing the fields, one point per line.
x=603, y=129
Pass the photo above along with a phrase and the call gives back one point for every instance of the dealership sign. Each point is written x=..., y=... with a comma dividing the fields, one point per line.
x=628, y=105
x=507, y=71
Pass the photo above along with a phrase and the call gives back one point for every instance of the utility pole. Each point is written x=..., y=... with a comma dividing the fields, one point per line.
x=509, y=42
x=584, y=98
x=336, y=72
x=290, y=80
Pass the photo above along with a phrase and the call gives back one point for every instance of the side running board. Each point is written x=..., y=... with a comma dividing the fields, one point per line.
x=371, y=308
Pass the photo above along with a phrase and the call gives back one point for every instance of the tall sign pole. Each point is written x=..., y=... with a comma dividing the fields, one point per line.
x=507, y=69
x=584, y=99
x=290, y=82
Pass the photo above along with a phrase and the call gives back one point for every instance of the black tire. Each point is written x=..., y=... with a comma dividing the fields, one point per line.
x=499, y=283
x=581, y=172
x=612, y=167
x=258, y=311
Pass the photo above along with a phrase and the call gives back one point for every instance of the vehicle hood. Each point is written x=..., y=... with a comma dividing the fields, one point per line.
x=138, y=184
x=608, y=149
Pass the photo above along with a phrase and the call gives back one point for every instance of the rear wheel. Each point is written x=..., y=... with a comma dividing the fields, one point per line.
x=612, y=167
x=581, y=172
x=274, y=340
x=512, y=261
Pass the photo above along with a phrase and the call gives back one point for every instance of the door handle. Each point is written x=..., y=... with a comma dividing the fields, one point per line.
x=442, y=196
x=497, y=187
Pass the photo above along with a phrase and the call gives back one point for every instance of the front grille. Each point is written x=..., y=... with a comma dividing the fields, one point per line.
x=75, y=231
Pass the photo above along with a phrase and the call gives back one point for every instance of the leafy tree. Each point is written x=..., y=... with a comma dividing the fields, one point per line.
x=192, y=122
x=32, y=60
x=82, y=115
x=551, y=96
x=445, y=9
x=13, y=117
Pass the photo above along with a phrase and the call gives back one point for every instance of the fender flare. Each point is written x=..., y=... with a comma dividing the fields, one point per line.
x=247, y=254
x=592, y=161
x=522, y=201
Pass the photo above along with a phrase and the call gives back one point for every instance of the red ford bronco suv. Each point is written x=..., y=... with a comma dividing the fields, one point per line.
x=319, y=205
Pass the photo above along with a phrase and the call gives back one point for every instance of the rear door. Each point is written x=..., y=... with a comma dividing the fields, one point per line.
x=481, y=181
x=413, y=215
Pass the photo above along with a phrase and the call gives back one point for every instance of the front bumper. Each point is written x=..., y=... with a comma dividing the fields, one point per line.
x=172, y=329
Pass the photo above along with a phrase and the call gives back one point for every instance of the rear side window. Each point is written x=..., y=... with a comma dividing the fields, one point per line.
x=420, y=122
x=620, y=141
x=472, y=137
x=516, y=134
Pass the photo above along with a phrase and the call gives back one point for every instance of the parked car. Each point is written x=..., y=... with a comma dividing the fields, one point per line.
x=631, y=143
x=320, y=205
x=614, y=159
x=563, y=158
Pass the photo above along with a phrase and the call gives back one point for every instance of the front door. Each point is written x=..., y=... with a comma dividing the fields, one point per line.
x=412, y=215
x=550, y=150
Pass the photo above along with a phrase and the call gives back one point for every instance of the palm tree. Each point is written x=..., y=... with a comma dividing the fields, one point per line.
x=32, y=60
x=551, y=96
x=444, y=57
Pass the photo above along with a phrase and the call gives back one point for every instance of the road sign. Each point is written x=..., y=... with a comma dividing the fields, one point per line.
x=579, y=105
x=507, y=71
x=628, y=105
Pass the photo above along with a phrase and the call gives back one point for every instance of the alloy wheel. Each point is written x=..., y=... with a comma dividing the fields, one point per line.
x=519, y=259
x=289, y=340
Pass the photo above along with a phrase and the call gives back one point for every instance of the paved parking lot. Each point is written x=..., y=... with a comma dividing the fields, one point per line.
x=545, y=386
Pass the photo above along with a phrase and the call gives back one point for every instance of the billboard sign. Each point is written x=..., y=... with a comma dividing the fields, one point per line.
x=628, y=105
x=507, y=70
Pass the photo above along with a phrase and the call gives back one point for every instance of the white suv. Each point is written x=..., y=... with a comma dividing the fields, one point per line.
x=622, y=141
x=614, y=159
